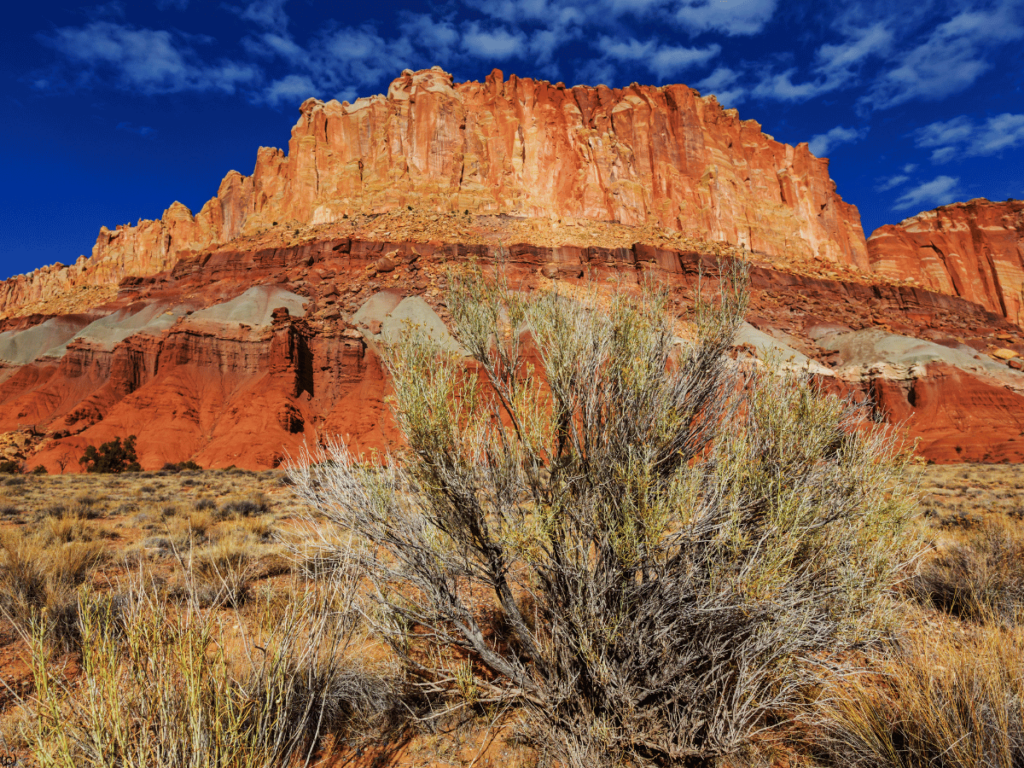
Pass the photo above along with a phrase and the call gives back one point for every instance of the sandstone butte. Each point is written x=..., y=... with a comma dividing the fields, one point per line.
x=234, y=336
x=638, y=155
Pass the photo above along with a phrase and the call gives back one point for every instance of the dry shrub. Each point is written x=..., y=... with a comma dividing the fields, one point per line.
x=63, y=529
x=75, y=509
x=181, y=688
x=254, y=504
x=979, y=578
x=674, y=547
x=950, y=702
x=38, y=582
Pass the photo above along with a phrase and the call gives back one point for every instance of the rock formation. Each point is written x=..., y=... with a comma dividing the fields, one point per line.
x=973, y=249
x=639, y=155
x=234, y=336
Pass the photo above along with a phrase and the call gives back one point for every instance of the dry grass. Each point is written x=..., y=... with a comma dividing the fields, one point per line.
x=172, y=688
x=947, y=694
x=952, y=700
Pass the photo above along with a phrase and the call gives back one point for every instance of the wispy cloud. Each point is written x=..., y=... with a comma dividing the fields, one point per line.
x=884, y=185
x=963, y=137
x=939, y=191
x=823, y=143
x=836, y=66
x=950, y=59
x=146, y=61
x=663, y=60
x=731, y=17
x=724, y=83
x=264, y=13
x=498, y=43
x=291, y=89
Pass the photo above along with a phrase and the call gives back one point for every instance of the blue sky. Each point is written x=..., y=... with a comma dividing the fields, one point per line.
x=112, y=111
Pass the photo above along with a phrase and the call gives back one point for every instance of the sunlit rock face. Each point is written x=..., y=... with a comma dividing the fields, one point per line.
x=242, y=333
x=973, y=249
x=640, y=155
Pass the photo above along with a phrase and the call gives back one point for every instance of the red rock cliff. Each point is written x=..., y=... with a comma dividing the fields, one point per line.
x=639, y=155
x=974, y=250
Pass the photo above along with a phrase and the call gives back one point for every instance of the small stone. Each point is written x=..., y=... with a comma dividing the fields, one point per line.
x=1003, y=354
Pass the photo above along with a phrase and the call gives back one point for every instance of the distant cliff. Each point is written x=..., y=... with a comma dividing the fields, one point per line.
x=974, y=250
x=639, y=155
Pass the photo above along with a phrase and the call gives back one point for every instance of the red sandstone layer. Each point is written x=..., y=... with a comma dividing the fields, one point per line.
x=224, y=394
x=974, y=250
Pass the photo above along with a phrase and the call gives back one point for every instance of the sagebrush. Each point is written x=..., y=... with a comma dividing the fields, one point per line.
x=647, y=546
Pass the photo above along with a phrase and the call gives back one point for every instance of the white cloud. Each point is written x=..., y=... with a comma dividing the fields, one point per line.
x=563, y=28
x=837, y=61
x=837, y=65
x=951, y=59
x=438, y=37
x=515, y=11
x=292, y=89
x=892, y=182
x=939, y=191
x=823, y=142
x=145, y=60
x=731, y=17
x=492, y=44
x=780, y=86
x=265, y=13
x=617, y=8
x=724, y=84
x=910, y=167
x=962, y=137
x=665, y=61
x=670, y=60
x=271, y=44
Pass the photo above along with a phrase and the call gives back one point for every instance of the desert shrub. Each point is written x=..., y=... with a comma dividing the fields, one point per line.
x=254, y=505
x=10, y=467
x=63, y=529
x=648, y=549
x=949, y=702
x=112, y=457
x=223, y=572
x=180, y=466
x=38, y=582
x=161, y=688
x=74, y=509
x=979, y=578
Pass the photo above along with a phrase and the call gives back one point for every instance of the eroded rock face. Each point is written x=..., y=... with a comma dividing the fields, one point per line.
x=640, y=155
x=239, y=358
x=974, y=250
